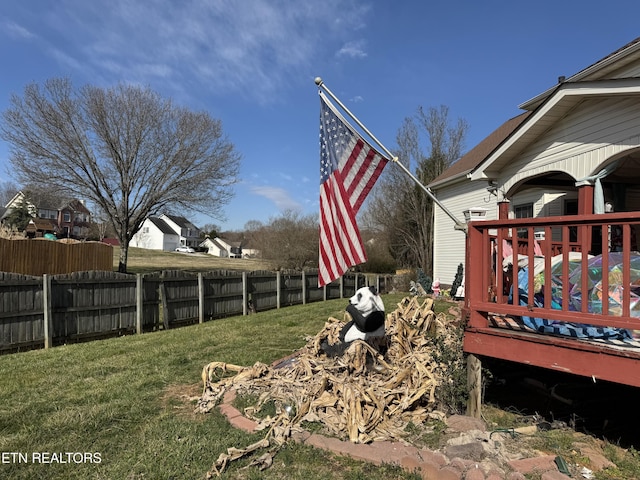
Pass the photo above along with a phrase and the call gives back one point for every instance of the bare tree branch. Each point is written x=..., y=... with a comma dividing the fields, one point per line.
x=400, y=209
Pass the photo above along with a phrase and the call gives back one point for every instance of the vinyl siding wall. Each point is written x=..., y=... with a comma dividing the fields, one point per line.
x=449, y=244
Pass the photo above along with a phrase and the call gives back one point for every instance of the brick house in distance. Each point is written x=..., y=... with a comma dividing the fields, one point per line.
x=63, y=218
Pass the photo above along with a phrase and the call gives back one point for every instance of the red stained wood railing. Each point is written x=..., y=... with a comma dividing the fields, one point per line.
x=488, y=287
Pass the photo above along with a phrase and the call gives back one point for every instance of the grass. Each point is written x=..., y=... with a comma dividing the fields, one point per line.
x=131, y=400
x=141, y=260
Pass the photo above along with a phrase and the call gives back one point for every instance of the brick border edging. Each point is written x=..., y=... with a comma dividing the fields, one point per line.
x=430, y=465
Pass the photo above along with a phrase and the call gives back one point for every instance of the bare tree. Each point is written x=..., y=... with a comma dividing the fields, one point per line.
x=7, y=191
x=289, y=240
x=401, y=210
x=125, y=149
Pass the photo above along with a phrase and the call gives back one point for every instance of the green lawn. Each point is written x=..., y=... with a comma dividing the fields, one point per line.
x=128, y=402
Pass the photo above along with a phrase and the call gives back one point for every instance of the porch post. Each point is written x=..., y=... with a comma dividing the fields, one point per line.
x=585, y=207
x=503, y=210
x=585, y=199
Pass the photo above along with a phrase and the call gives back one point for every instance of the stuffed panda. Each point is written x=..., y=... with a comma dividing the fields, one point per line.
x=367, y=313
x=367, y=320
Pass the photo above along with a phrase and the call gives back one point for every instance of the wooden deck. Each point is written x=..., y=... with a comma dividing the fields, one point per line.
x=488, y=289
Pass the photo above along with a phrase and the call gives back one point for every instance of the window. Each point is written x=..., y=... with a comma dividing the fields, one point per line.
x=66, y=217
x=523, y=211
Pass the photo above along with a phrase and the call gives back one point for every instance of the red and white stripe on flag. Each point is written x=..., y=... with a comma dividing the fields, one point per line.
x=349, y=167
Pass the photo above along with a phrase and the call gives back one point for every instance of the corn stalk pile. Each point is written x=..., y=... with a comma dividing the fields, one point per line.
x=363, y=394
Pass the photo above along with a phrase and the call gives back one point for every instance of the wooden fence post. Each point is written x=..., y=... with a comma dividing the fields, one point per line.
x=47, y=313
x=200, y=297
x=278, y=286
x=165, y=303
x=474, y=384
x=139, y=303
x=341, y=286
x=304, y=288
x=245, y=299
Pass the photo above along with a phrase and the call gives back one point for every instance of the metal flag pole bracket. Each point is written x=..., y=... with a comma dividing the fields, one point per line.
x=458, y=225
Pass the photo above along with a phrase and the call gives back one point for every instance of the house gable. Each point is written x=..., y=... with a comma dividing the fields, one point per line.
x=188, y=232
x=155, y=234
x=597, y=131
x=554, y=113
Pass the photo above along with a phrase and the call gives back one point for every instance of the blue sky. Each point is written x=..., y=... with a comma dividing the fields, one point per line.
x=251, y=64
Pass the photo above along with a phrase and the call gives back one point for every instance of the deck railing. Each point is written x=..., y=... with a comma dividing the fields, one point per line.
x=555, y=288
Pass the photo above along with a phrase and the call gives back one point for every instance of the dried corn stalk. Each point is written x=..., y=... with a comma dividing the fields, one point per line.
x=362, y=395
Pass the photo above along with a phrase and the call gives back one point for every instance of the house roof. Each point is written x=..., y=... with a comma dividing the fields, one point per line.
x=604, y=67
x=78, y=206
x=41, y=224
x=479, y=153
x=48, y=201
x=162, y=226
x=563, y=100
x=218, y=244
x=181, y=221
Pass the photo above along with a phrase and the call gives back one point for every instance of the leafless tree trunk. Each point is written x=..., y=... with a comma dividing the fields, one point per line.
x=125, y=149
x=399, y=208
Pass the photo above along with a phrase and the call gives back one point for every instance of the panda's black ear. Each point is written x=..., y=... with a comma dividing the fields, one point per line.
x=373, y=290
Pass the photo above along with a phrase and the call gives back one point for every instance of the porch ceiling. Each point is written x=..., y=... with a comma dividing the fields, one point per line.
x=558, y=105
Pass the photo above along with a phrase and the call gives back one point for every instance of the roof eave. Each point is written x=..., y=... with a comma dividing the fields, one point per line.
x=581, y=75
x=459, y=177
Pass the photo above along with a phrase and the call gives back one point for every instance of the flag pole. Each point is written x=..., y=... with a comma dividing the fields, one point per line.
x=458, y=224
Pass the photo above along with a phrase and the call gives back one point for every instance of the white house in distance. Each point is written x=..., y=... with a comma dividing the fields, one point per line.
x=581, y=132
x=166, y=232
x=221, y=248
x=188, y=232
x=156, y=234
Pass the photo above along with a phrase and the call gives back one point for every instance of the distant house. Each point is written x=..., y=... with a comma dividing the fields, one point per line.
x=222, y=248
x=63, y=217
x=189, y=234
x=156, y=234
x=215, y=247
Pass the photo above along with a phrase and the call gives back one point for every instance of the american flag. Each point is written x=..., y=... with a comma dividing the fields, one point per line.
x=349, y=167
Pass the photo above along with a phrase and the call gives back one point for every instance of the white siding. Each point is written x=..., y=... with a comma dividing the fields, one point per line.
x=449, y=244
x=150, y=237
x=578, y=144
x=626, y=72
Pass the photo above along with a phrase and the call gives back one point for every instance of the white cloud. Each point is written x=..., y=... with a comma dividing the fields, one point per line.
x=277, y=195
x=353, y=49
x=17, y=31
x=251, y=46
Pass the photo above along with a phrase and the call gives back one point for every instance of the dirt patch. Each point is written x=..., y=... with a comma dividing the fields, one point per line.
x=181, y=399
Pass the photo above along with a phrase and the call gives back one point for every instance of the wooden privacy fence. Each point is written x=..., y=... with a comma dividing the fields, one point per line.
x=57, y=309
x=37, y=257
